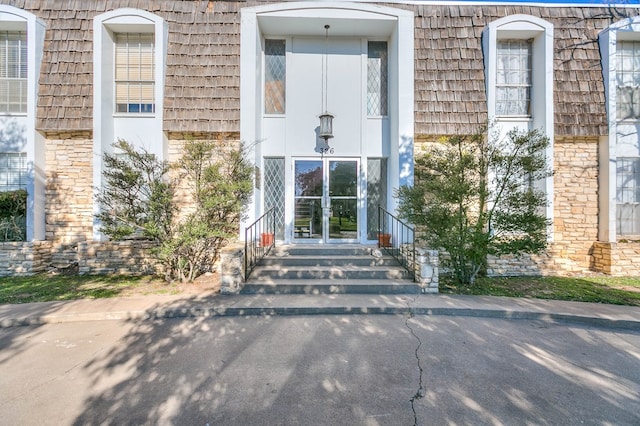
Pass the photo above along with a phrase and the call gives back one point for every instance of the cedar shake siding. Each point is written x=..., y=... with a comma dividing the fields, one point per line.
x=202, y=89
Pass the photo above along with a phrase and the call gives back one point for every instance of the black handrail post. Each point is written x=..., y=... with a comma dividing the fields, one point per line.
x=379, y=224
x=246, y=241
x=254, y=233
x=403, y=238
x=273, y=224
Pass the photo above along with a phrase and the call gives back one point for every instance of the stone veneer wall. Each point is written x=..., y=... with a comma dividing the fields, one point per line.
x=117, y=257
x=69, y=187
x=24, y=258
x=621, y=258
x=575, y=224
x=69, y=220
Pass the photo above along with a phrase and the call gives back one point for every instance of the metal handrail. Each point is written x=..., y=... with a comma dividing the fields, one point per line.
x=397, y=239
x=259, y=239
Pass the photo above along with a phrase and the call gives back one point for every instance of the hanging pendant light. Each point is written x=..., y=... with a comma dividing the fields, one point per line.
x=326, y=125
x=326, y=118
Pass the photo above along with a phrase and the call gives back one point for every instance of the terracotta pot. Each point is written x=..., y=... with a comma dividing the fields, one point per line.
x=266, y=239
x=384, y=240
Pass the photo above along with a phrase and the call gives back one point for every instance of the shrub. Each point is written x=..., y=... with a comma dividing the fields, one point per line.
x=475, y=195
x=138, y=199
x=13, y=215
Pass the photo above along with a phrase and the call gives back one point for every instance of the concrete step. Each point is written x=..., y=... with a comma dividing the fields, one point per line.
x=311, y=261
x=330, y=272
x=328, y=269
x=321, y=250
x=332, y=287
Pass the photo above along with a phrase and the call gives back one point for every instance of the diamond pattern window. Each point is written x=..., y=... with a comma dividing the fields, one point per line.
x=134, y=73
x=275, y=70
x=513, y=78
x=377, y=72
x=376, y=193
x=13, y=71
x=274, y=191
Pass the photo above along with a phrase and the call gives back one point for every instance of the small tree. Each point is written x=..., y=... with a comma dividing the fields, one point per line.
x=137, y=195
x=221, y=191
x=475, y=195
x=138, y=200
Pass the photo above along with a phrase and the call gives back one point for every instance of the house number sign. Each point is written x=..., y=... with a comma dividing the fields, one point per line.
x=326, y=150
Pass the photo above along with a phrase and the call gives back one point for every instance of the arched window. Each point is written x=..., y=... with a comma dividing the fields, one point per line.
x=128, y=84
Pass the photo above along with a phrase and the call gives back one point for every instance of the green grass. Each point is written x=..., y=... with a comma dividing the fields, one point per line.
x=44, y=288
x=612, y=290
x=41, y=288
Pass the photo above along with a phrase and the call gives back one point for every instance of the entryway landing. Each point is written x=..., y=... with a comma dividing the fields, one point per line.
x=329, y=269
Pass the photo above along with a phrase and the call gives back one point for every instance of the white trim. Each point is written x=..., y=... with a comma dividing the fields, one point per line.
x=143, y=130
x=350, y=19
x=626, y=29
x=33, y=141
x=521, y=26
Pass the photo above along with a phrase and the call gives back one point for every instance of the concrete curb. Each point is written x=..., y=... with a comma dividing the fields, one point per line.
x=247, y=311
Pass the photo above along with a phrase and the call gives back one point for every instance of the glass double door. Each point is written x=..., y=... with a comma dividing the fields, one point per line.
x=326, y=200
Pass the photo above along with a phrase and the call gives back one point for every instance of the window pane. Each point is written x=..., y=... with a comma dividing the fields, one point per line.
x=513, y=77
x=274, y=76
x=628, y=195
x=13, y=171
x=628, y=80
x=377, y=70
x=274, y=190
x=376, y=193
x=134, y=73
x=13, y=71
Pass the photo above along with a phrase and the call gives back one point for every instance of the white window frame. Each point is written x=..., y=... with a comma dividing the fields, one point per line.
x=13, y=168
x=18, y=129
x=143, y=130
x=383, y=95
x=541, y=108
x=22, y=65
x=128, y=81
x=628, y=201
x=634, y=72
x=284, y=80
x=623, y=139
x=526, y=84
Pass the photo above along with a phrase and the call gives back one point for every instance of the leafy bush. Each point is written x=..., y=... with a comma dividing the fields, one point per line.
x=13, y=215
x=138, y=199
x=221, y=187
x=476, y=195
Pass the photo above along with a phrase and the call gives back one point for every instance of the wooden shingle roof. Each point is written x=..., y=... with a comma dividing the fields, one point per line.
x=202, y=87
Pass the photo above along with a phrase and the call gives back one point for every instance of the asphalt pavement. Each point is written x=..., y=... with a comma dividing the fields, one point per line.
x=319, y=370
x=319, y=360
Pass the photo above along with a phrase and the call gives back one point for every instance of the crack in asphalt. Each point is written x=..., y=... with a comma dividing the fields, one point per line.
x=421, y=391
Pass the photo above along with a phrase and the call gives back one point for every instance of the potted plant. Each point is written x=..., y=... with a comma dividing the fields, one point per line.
x=384, y=239
x=267, y=239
